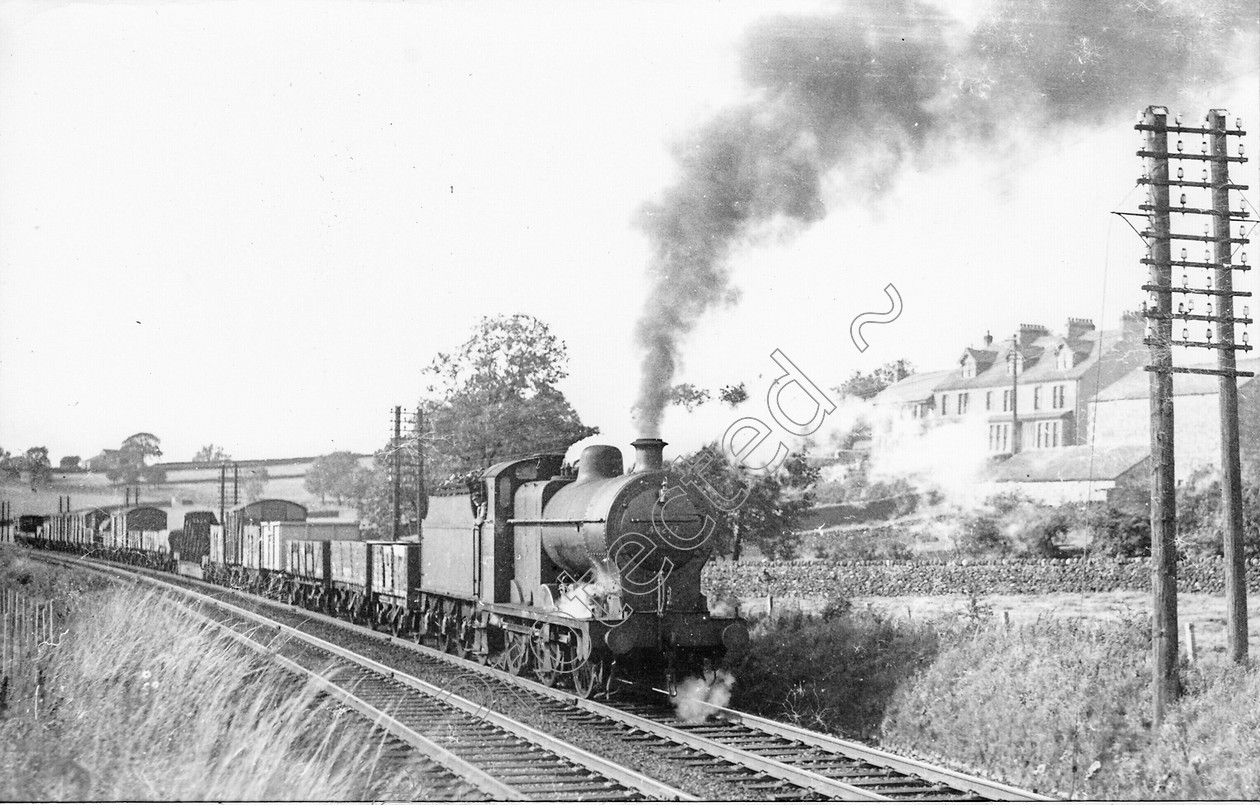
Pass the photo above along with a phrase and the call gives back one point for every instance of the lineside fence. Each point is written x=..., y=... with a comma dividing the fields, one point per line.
x=26, y=625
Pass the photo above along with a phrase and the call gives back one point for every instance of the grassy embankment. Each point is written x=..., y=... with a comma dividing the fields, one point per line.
x=1061, y=706
x=138, y=701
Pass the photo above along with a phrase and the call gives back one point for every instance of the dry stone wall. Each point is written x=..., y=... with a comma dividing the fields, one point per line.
x=917, y=577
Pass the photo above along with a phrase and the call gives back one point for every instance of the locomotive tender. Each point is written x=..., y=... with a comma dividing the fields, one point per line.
x=588, y=577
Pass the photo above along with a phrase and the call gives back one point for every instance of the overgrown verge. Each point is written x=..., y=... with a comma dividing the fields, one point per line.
x=835, y=673
x=1060, y=706
x=1064, y=706
x=136, y=700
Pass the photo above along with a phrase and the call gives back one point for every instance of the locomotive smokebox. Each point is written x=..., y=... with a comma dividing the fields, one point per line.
x=648, y=454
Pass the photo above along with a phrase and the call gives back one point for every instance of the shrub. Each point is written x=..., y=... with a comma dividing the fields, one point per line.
x=1063, y=707
x=982, y=536
x=1120, y=532
x=835, y=673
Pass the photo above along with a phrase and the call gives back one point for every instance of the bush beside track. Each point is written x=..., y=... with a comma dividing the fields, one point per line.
x=723, y=579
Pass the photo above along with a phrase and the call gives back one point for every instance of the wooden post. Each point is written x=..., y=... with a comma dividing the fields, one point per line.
x=397, y=447
x=1192, y=649
x=1231, y=465
x=1164, y=479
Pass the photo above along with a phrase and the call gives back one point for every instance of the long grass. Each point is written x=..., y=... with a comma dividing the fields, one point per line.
x=139, y=701
x=1064, y=706
x=1061, y=706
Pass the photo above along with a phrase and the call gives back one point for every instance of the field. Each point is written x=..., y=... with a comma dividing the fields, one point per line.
x=1205, y=612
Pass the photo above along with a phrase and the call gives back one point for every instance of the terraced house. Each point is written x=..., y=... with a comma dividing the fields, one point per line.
x=1032, y=389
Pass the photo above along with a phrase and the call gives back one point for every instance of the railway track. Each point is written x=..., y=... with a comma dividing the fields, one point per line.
x=767, y=759
x=495, y=756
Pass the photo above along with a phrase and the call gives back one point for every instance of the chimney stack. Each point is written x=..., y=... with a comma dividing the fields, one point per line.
x=1078, y=327
x=988, y=339
x=1029, y=333
x=648, y=454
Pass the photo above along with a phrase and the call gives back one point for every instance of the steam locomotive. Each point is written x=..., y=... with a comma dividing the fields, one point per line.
x=591, y=577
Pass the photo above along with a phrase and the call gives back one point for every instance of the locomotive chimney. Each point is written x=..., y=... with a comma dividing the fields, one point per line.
x=648, y=454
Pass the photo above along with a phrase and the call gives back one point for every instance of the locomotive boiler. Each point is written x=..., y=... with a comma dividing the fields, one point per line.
x=588, y=575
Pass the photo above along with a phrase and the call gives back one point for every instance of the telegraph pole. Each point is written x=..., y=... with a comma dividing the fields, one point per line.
x=1164, y=481
x=397, y=449
x=1231, y=465
x=422, y=498
x=1218, y=315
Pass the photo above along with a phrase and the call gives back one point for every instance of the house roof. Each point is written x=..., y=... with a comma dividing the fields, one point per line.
x=1136, y=385
x=915, y=388
x=1039, y=360
x=1077, y=463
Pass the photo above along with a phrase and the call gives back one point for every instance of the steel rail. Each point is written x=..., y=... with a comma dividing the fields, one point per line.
x=929, y=771
x=804, y=778
x=466, y=771
x=625, y=777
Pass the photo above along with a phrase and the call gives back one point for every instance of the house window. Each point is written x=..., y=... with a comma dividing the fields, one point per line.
x=999, y=438
x=1048, y=434
x=988, y=401
x=1036, y=398
x=1006, y=400
x=944, y=405
x=969, y=367
x=963, y=399
x=1056, y=396
x=1064, y=358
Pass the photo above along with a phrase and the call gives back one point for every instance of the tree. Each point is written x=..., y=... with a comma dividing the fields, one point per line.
x=133, y=458
x=38, y=464
x=865, y=386
x=772, y=509
x=733, y=395
x=334, y=476
x=211, y=454
x=688, y=396
x=10, y=468
x=256, y=484
x=69, y=463
x=496, y=397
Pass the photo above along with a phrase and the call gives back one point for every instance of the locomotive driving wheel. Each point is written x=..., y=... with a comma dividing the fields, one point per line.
x=516, y=653
x=590, y=676
x=547, y=660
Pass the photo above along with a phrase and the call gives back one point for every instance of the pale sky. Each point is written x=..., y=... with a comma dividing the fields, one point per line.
x=253, y=223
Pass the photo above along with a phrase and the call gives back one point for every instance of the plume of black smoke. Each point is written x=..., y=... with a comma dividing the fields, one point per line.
x=874, y=85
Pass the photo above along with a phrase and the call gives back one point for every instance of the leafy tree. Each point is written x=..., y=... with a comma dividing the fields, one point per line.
x=336, y=476
x=733, y=395
x=38, y=464
x=688, y=396
x=865, y=386
x=773, y=503
x=211, y=454
x=133, y=458
x=69, y=463
x=496, y=397
x=10, y=467
x=256, y=484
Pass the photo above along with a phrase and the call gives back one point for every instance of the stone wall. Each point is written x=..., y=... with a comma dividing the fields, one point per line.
x=918, y=577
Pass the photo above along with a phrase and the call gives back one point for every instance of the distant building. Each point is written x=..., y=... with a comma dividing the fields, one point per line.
x=1033, y=389
x=1122, y=416
x=909, y=401
x=1077, y=473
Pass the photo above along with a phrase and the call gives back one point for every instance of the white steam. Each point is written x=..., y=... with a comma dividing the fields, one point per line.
x=697, y=700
